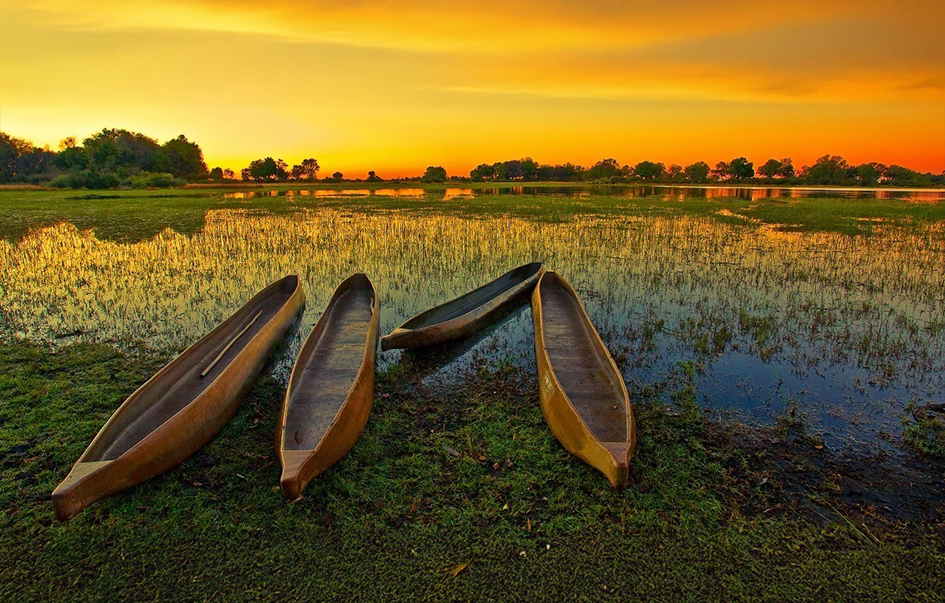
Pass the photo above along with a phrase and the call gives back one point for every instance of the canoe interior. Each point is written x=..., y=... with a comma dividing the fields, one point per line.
x=179, y=383
x=330, y=366
x=475, y=298
x=580, y=363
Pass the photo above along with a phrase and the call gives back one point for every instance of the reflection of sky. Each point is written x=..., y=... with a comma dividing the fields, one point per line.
x=680, y=193
x=856, y=324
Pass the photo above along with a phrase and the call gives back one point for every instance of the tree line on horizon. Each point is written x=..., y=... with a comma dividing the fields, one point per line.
x=117, y=158
x=827, y=170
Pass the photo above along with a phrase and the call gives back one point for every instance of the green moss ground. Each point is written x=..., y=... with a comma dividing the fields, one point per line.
x=440, y=478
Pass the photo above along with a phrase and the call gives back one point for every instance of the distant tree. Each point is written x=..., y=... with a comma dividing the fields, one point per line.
x=282, y=170
x=483, y=171
x=697, y=172
x=529, y=168
x=21, y=161
x=435, y=174
x=722, y=171
x=69, y=142
x=510, y=170
x=869, y=174
x=604, y=170
x=228, y=174
x=372, y=177
x=36, y=163
x=246, y=174
x=674, y=173
x=648, y=171
x=515, y=169
x=72, y=159
x=337, y=176
x=741, y=169
x=830, y=169
x=897, y=175
x=770, y=169
x=267, y=169
x=11, y=150
x=216, y=174
x=183, y=159
x=307, y=170
x=113, y=150
x=566, y=172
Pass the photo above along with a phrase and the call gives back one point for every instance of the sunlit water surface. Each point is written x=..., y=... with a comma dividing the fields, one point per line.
x=619, y=191
x=845, y=331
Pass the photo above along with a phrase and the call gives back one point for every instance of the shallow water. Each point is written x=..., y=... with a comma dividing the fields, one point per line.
x=842, y=331
x=619, y=191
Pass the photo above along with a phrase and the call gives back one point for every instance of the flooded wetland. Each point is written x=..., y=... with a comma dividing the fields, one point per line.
x=783, y=356
x=756, y=321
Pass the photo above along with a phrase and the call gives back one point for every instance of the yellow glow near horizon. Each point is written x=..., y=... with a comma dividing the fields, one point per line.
x=394, y=86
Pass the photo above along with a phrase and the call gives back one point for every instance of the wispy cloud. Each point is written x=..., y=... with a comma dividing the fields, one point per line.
x=401, y=78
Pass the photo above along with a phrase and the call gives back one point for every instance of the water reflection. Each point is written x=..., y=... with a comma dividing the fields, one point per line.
x=848, y=329
x=329, y=193
x=679, y=193
x=404, y=193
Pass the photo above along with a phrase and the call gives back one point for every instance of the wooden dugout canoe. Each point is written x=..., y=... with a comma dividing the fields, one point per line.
x=583, y=396
x=184, y=405
x=331, y=388
x=465, y=314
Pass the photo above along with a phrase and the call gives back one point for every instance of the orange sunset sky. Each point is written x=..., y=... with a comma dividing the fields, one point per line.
x=394, y=86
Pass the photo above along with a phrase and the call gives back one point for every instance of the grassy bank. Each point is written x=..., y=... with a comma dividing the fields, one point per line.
x=459, y=493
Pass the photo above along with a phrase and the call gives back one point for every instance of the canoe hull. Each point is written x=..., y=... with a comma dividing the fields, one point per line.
x=461, y=326
x=612, y=458
x=300, y=466
x=186, y=431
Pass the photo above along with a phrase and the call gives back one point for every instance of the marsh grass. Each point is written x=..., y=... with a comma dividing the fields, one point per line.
x=862, y=313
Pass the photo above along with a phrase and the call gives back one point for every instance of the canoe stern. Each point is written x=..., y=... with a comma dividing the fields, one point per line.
x=397, y=338
x=81, y=488
x=293, y=464
x=618, y=464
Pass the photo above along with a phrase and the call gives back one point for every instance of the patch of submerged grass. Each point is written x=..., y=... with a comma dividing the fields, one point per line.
x=847, y=216
x=763, y=331
x=925, y=432
x=442, y=476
